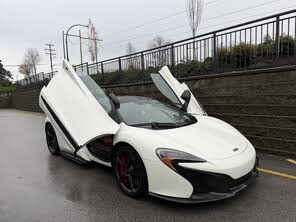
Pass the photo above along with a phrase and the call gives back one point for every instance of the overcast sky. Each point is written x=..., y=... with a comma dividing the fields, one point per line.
x=33, y=23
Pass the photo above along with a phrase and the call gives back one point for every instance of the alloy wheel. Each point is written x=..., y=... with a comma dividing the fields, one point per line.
x=130, y=172
x=51, y=139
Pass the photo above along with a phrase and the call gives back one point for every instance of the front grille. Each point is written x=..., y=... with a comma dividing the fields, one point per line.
x=205, y=182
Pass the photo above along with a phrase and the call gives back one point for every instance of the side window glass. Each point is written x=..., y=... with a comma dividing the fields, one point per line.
x=97, y=92
x=165, y=89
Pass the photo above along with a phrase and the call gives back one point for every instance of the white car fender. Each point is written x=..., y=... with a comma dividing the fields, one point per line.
x=161, y=179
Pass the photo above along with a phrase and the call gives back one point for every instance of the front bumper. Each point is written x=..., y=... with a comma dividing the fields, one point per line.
x=208, y=187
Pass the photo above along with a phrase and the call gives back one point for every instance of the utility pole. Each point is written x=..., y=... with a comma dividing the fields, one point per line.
x=80, y=44
x=51, y=52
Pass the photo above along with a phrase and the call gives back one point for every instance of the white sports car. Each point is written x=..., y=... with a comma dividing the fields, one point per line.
x=171, y=150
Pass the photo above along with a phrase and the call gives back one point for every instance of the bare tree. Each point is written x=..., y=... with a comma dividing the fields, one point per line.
x=158, y=41
x=162, y=54
x=93, y=42
x=131, y=60
x=130, y=49
x=194, y=12
x=25, y=69
x=32, y=58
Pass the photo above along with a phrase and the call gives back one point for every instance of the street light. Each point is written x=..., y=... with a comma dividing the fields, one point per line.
x=67, y=52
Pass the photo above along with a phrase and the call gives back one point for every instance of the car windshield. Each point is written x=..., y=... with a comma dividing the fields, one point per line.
x=142, y=111
x=151, y=113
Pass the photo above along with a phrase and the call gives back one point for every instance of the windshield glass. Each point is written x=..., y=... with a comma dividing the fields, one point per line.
x=142, y=111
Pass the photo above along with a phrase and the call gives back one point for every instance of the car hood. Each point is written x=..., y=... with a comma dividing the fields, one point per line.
x=209, y=138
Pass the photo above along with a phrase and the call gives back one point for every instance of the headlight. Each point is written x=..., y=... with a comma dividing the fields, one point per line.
x=170, y=157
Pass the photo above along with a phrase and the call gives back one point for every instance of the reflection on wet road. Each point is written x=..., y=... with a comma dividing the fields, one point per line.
x=36, y=186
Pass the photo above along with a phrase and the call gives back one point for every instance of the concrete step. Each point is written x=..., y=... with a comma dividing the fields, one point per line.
x=258, y=120
x=273, y=143
x=273, y=110
x=269, y=99
x=267, y=88
x=263, y=131
x=266, y=77
x=29, y=108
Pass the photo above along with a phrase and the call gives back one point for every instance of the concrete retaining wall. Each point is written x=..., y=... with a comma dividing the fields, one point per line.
x=26, y=99
x=5, y=100
x=261, y=104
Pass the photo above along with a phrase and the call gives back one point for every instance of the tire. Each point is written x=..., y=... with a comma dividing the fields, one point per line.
x=130, y=172
x=51, y=140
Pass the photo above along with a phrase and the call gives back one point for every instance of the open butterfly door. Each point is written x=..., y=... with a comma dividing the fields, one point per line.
x=172, y=89
x=78, y=106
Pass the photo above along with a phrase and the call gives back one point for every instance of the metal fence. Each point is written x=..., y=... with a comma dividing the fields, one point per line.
x=268, y=41
x=40, y=78
x=260, y=43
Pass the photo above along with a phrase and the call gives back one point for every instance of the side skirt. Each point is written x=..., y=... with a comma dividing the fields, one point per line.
x=76, y=159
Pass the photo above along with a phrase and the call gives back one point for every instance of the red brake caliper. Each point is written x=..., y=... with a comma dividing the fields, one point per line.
x=122, y=169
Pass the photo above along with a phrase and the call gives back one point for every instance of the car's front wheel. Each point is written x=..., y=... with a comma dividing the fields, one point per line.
x=130, y=172
x=51, y=140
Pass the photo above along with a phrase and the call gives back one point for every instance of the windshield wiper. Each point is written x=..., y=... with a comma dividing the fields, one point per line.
x=156, y=125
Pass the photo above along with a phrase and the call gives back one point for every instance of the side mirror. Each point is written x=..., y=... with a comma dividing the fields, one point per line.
x=115, y=101
x=186, y=96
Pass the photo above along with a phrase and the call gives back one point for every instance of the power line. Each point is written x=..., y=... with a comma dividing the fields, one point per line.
x=241, y=10
x=148, y=34
x=182, y=27
x=253, y=16
x=172, y=15
x=212, y=18
x=159, y=19
x=13, y=65
x=234, y=20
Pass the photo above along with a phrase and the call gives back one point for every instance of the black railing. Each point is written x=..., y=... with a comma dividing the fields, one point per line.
x=40, y=78
x=260, y=43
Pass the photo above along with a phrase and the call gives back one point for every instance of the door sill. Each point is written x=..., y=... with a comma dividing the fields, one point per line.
x=77, y=159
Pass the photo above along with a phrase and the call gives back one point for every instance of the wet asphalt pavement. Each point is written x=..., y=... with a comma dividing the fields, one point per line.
x=35, y=186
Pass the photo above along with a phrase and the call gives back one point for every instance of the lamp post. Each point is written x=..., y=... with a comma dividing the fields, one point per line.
x=67, y=52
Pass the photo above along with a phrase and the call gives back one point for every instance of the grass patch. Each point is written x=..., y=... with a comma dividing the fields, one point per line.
x=7, y=88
